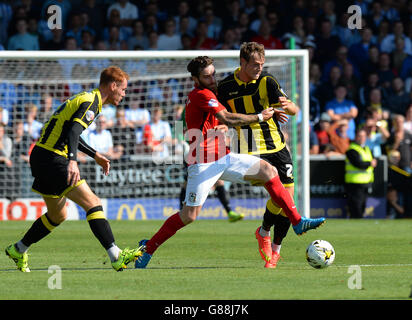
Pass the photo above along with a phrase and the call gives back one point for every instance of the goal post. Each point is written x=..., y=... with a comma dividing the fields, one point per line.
x=157, y=78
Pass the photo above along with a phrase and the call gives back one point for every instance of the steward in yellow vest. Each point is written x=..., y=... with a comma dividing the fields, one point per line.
x=359, y=176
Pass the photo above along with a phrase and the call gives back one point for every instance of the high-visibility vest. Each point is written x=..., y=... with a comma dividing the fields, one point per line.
x=357, y=175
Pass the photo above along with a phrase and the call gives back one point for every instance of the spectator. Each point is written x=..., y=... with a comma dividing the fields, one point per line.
x=214, y=23
x=376, y=136
x=128, y=12
x=389, y=12
x=23, y=40
x=265, y=37
x=48, y=105
x=56, y=42
x=139, y=37
x=377, y=107
x=229, y=41
x=388, y=43
x=383, y=32
x=351, y=82
x=329, y=12
x=401, y=140
x=169, y=40
x=125, y=32
x=326, y=89
x=186, y=40
x=6, y=14
x=347, y=36
x=151, y=23
x=359, y=52
x=32, y=126
x=321, y=130
x=183, y=27
x=398, y=99
x=376, y=17
x=109, y=112
x=153, y=39
x=399, y=186
x=183, y=12
x=4, y=116
x=364, y=91
x=260, y=15
x=385, y=72
x=298, y=33
x=75, y=30
x=101, y=140
x=394, y=210
x=20, y=159
x=408, y=119
x=338, y=136
x=201, y=41
x=372, y=64
x=398, y=54
x=137, y=118
x=114, y=41
x=158, y=135
x=313, y=142
x=243, y=26
x=232, y=13
x=6, y=146
x=341, y=60
x=341, y=108
x=123, y=134
x=87, y=41
x=152, y=8
x=95, y=13
x=326, y=43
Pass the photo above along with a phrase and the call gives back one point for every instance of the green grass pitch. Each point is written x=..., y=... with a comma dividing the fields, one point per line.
x=213, y=260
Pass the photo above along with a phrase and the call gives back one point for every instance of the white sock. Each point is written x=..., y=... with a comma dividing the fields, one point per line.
x=276, y=247
x=264, y=233
x=21, y=247
x=113, y=252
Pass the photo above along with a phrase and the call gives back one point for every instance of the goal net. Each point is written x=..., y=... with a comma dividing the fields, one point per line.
x=143, y=137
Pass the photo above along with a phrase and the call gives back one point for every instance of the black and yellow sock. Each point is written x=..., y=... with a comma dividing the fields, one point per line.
x=39, y=229
x=100, y=226
x=281, y=228
x=269, y=217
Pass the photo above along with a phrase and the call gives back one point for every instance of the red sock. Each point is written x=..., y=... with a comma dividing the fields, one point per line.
x=168, y=229
x=282, y=198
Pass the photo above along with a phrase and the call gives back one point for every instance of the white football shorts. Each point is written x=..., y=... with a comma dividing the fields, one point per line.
x=203, y=176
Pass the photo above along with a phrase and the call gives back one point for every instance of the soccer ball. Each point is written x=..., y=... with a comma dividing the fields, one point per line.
x=320, y=254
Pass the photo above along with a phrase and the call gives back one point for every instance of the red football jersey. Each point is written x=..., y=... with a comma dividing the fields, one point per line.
x=206, y=144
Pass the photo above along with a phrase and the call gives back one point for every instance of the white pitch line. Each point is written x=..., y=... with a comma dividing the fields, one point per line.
x=365, y=265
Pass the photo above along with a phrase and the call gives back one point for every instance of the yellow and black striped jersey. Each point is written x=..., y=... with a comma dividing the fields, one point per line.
x=82, y=108
x=251, y=98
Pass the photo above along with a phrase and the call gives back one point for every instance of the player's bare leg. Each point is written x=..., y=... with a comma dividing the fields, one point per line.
x=84, y=197
x=174, y=223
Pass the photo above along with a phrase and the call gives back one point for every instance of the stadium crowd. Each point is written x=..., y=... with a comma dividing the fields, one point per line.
x=358, y=77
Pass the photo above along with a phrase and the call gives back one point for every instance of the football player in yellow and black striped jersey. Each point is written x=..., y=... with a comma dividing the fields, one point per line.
x=56, y=175
x=249, y=90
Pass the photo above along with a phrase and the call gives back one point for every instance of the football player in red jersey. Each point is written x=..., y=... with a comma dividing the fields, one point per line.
x=210, y=160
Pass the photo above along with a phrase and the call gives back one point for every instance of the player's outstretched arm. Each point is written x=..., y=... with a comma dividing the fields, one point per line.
x=238, y=119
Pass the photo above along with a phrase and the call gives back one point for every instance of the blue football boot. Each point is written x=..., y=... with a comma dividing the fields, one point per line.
x=307, y=224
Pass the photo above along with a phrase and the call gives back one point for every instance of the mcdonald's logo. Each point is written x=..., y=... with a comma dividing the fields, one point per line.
x=131, y=213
